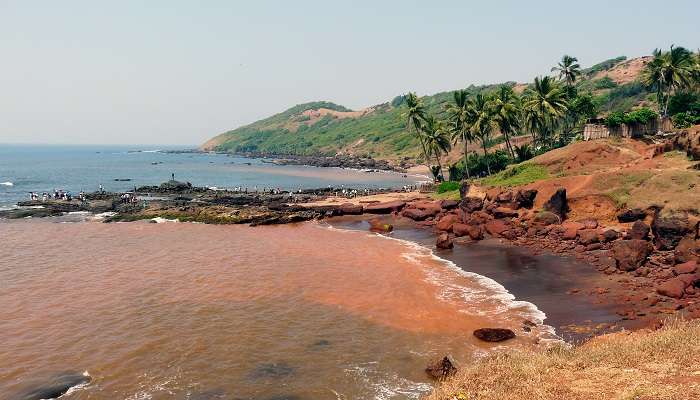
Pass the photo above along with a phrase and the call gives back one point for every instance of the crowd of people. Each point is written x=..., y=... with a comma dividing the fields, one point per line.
x=57, y=194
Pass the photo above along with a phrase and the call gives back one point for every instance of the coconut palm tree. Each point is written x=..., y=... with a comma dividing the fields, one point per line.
x=459, y=115
x=543, y=105
x=414, y=117
x=568, y=69
x=483, y=123
x=506, y=109
x=437, y=140
x=669, y=71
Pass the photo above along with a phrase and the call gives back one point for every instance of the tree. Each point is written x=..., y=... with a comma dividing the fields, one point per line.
x=506, y=110
x=437, y=141
x=459, y=115
x=415, y=116
x=568, y=69
x=669, y=71
x=483, y=123
x=544, y=104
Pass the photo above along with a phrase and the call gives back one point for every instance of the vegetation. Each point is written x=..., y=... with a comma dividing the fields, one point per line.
x=659, y=365
x=448, y=186
x=521, y=174
x=641, y=116
x=669, y=72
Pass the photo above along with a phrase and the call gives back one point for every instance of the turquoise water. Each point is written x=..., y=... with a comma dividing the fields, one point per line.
x=43, y=168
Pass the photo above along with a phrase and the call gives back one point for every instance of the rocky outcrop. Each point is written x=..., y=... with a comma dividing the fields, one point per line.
x=639, y=230
x=351, y=209
x=669, y=231
x=631, y=254
x=471, y=204
x=385, y=208
x=557, y=204
x=444, y=241
x=631, y=215
x=441, y=369
x=547, y=218
x=494, y=334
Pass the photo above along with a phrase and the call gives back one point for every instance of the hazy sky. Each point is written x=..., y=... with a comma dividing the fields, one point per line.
x=175, y=72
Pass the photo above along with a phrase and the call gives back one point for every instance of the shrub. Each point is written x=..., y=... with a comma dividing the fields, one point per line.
x=524, y=152
x=448, y=186
x=604, y=83
x=684, y=102
x=685, y=120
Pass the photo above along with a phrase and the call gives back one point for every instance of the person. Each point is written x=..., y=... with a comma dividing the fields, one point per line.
x=172, y=176
x=44, y=196
x=102, y=189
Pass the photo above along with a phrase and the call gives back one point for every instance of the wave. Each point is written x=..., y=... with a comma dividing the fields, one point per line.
x=7, y=184
x=486, y=289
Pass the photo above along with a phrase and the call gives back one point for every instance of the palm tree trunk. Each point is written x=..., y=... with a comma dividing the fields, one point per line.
x=486, y=158
x=466, y=156
x=440, y=172
x=508, y=145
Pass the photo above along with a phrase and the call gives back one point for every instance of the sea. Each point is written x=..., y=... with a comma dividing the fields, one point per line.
x=314, y=310
x=46, y=168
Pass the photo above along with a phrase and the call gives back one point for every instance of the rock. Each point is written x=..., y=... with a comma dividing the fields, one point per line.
x=588, y=236
x=494, y=334
x=594, y=246
x=589, y=223
x=525, y=198
x=504, y=197
x=54, y=387
x=497, y=227
x=460, y=229
x=570, y=230
x=444, y=242
x=631, y=215
x=471, y=204
x=547, y=218
x=630, y=254
x=449, y=204
x=446, y=222
x=385, y=208
x=175, y=186
x=377, y=225
x=687, y=249
x=672, y=288
x=416, y=214
x=639, y=230
x=668, y=231
x=504, y=212
x=686, y=268
x=609, y=235
x=351, y=209
x=475, y=232
x=463, y=190
x=441, y=369
x=557, y=204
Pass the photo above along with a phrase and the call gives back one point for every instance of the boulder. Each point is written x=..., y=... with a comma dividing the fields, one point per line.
x=557, y=204
x=351, y=209
x=630, y=254
x=385, y=208
x=441, y=369
x=609, y=235
x=494, y=334
x=475, y=232
x=377, y=225
x=504, y=212
x=546, y=218
x=432, y=207
x=570, y=230
x=687, y=249
x=631, y=215
x=446, y=222
x=498, y=227
x=589, y=223
x=471, y=204
x=668, y=231
x=449, y=204
x=639, y=230
x=525, y=198
x=686, y=268
x=460, y=229
x=588, y=236
x=444, y=241
x=416, y=214
x=672, y=288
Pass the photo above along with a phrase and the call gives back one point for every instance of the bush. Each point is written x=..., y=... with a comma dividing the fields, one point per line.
x=524, y=152
x=498, y=161
x=685, y=120
x=604, y=83
x=640, y=116
x=448, y=186
x=684, y=103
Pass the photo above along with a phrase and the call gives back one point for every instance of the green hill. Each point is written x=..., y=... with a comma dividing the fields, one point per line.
x=325, y=128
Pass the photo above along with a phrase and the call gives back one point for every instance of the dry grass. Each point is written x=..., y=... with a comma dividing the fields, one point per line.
x=662, y=364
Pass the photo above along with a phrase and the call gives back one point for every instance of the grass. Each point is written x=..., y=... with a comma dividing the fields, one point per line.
x=659, y=365
x=521, y=174
x=449, y=195
x=619, y=187
x=448, y=186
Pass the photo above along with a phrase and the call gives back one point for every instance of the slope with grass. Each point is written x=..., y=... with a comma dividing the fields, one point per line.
x=324, y=128
x=661, y=364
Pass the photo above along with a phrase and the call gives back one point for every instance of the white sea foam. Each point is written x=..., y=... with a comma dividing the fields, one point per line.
x=161, y=220
x=77, y=387
x=7, y=184
x=385, y=385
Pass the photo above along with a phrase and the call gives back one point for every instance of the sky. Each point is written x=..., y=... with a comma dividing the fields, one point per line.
x=176, y=72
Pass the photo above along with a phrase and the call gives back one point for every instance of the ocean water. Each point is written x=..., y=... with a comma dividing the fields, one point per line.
x=43, y=168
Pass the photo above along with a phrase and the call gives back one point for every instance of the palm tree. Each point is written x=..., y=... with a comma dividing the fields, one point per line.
x=506, y=109
x=483, y=123
x=459, y=116
x=544, y=104
x=669, y=71
x=568, y=69
x=415, y=116
x=437, y=140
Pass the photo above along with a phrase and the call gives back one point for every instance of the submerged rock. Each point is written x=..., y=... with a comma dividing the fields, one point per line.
x=272, y=370
x=54, y=387
x=378, y=225
x=494, y=334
